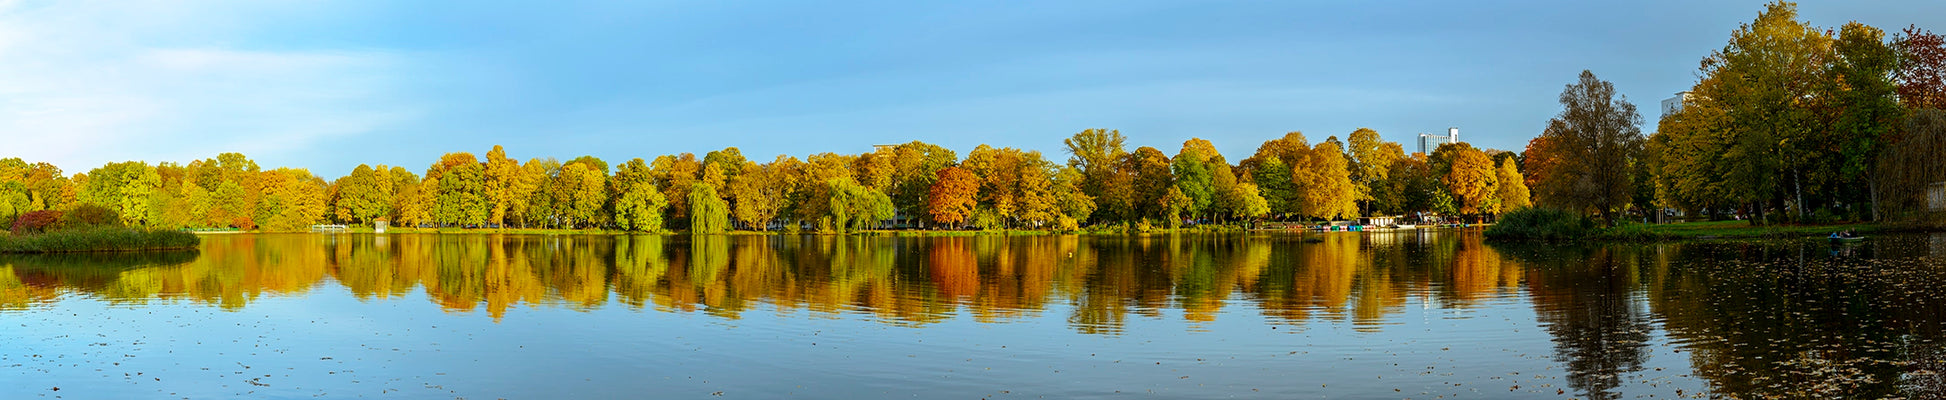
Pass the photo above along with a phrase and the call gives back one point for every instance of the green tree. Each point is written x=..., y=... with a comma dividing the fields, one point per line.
x=1100, y=155
x=1273, y=179
x=1867, y=106
x=638, y=203
x=1191, y=169
x=365, y=195
x=854, y=207
x=461, y=198
x=1247, y=202
x=1769, y=73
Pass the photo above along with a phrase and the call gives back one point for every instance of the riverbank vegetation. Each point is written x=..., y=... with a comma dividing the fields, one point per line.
x=87, y=229
x=1557, y=225
x=1788, y=124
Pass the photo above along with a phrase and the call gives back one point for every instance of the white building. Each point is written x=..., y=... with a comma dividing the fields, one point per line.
x=1429, y=142
x=1673, y=104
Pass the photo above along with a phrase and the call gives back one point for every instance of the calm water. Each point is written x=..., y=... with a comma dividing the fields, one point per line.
x=1414, y=315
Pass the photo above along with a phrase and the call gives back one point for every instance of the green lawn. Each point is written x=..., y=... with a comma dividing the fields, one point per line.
x=1732, y=229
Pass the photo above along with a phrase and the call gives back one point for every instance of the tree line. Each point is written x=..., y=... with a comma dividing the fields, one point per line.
x=916, y=184
x=1787, y=122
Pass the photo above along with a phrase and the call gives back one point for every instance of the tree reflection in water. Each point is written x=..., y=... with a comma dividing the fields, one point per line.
x=1755, y=319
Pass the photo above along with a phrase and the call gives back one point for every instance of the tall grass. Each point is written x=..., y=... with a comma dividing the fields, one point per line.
x=99, y=239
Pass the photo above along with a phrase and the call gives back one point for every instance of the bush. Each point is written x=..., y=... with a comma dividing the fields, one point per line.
x=36, y=222
x=1542, y=224
x=88, y=216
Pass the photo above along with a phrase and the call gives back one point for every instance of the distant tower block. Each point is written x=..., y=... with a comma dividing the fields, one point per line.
x=1429, y=142
x=1674, y=105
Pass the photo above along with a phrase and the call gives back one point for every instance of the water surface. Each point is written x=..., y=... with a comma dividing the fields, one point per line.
x=1431, y=314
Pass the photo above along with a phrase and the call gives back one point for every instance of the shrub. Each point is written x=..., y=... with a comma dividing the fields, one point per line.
x=36, y=221
x=1542, y=224
x=88, y=216
x=1066, y=224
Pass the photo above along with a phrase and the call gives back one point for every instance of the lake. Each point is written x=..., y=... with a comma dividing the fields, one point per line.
x=1421, y=315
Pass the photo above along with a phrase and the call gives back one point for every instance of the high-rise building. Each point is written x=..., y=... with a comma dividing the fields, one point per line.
x=1673, y=104
x=1429, y=142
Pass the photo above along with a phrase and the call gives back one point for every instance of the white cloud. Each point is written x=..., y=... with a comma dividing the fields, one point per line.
x=86, y=83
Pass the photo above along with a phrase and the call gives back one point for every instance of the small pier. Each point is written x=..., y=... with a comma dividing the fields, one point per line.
x=330, y=229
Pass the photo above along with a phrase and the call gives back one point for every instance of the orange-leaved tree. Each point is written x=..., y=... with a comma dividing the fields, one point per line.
x=952, y=197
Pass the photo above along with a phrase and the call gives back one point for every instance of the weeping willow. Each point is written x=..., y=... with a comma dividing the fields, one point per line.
x=1910, y=171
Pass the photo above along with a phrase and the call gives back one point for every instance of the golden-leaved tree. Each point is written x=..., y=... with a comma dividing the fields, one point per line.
x=1513, y=190
x=1328, y=191
x=1471, y=179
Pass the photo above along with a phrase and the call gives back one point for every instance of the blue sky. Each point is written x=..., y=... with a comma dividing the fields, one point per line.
x=330, y=85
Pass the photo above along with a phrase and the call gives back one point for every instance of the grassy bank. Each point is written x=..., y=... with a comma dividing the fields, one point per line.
x=1731, y=229
x=1541, y=224
x=99, y=239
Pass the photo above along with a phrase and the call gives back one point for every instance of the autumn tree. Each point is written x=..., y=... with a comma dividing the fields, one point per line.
x=1173, y=204
x=811, y=199
x=953, y=196
x=1280, y=170
x=579, y=191
x=293, y=200
x=759, y=193
x=1371, y=159
x=1513, y=192
x=1247, y=202
x=1150, y=181
x=1922, y=68
x=1075, y=204
x=1469, y=178
x=1328, y=191
x=728, y=162
x=1596, y=139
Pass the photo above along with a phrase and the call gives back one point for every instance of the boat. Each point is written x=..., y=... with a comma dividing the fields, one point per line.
x=1847, y=239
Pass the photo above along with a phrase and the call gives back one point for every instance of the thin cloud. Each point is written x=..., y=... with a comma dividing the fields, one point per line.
x=81, y=89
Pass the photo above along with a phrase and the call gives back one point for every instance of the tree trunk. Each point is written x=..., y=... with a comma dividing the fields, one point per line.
x=1871, y=183
x=1797, y=180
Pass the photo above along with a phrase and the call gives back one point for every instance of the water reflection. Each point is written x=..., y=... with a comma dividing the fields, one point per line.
x=1790, y=319
x=1103, y=280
